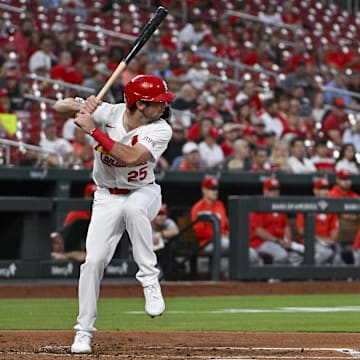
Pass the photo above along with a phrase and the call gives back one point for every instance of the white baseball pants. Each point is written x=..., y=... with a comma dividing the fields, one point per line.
x=111, y=216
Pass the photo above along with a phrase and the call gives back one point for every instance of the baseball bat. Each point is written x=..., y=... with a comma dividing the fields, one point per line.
x=143, y=37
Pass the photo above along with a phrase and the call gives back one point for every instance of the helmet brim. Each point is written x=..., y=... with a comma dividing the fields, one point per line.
x=166, y=97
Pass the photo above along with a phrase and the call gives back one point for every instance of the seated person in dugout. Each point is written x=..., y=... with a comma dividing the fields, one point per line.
x=68, y=243
x=326, y=228
x=349, y=224
x=270, y=233
x=163, y=229
x=211, y=204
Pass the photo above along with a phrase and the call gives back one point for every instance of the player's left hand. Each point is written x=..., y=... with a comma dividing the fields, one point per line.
x=85, y=121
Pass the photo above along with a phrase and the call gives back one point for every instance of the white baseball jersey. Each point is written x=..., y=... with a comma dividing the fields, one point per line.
x=109, y=172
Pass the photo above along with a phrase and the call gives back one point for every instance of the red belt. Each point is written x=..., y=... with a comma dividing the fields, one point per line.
x=116, y=191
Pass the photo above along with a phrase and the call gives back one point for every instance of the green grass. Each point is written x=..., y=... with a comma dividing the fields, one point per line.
x=203, y=313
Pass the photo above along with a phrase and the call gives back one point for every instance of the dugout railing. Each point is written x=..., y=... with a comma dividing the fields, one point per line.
x=240, y=208
x=184, y=251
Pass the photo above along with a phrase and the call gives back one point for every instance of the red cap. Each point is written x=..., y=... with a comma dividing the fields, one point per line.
x=3, y=92
x=321, y=184
x=271, y=184
x=195, y=59
x=339, y=102
x=249, y=130
x=214, y=132
x=344, y=174
x=210, y=182
x=89, y=190
x=163, y=210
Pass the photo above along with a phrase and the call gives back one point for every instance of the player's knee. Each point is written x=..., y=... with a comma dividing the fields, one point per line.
x=95, y=262
x=133, y=212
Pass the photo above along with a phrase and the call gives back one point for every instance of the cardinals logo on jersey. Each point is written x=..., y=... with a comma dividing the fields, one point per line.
x=134, y=140
x=100, y=149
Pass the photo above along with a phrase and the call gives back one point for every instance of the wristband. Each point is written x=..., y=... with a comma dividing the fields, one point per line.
x=103, y=139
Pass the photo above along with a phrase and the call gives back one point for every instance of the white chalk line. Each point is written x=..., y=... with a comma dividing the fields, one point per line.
x=64, y=351
x=256, y=311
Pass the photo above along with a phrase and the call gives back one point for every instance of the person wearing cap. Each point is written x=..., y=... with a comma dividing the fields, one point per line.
x=347, y=159
x=203, y=230
x=326, y=228
x=336, y=122
x=190, y=159
x=163, y=229
x=96, y=82
x=270, y=233
x=61, y=149
x=210, y=202
x=129, y=140
x=230, y=132
x=68, y=242
x=349, y=223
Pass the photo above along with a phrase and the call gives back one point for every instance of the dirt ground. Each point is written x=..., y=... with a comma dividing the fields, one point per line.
x=15, y=345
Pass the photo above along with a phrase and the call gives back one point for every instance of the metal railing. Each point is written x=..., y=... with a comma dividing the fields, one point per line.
x=292, y=28
x=7, y=144
x=11, y=8
x=240, y=66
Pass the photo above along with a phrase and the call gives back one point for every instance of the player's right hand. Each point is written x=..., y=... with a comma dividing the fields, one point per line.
x=90, y=105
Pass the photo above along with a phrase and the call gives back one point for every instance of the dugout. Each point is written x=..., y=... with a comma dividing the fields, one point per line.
x=240, y=208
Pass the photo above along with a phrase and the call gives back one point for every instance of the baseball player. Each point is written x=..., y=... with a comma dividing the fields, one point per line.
x=326, y=227
x=270, y=233
x=129, y=139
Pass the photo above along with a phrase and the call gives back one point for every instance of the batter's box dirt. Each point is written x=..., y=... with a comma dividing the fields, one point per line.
x=171, y=345
x=109, y=345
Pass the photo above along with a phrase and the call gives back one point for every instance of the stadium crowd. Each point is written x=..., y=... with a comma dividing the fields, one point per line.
x=286, y=87
x=262, y=86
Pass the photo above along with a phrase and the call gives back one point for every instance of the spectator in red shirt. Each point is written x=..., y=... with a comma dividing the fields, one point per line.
x=270, y=233
x=210, y=203
x=65, y=70
x=326, y=227
x=349, y=223
x=336, y=122
x=249, y=94
x=199, y=128
x=230, y=134
x=322, y=158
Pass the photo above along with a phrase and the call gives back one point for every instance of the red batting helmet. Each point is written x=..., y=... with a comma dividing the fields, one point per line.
x=146, y=88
